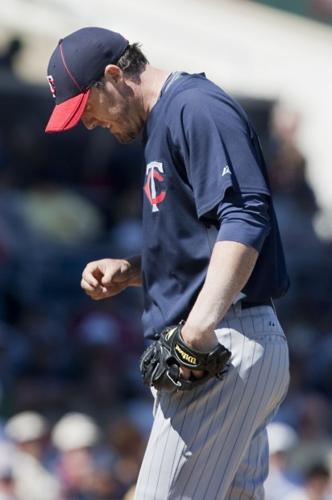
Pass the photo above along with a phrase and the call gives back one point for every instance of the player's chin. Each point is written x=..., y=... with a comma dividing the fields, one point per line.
x=125, y=138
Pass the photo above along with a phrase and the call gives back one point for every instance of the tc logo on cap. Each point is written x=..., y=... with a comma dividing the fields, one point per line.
x=51, y=83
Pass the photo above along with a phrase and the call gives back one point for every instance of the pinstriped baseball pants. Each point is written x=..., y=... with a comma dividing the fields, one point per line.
x=211, y=443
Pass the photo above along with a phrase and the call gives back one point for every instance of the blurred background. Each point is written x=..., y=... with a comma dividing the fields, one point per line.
x=74, y=416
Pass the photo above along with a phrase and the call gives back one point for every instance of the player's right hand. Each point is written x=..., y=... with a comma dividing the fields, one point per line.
x=106, y=277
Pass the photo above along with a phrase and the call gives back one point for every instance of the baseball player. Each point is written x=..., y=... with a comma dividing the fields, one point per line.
x=211, y=263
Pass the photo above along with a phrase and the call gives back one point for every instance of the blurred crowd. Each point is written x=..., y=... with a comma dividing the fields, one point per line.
x=74, y=414
x=72, y=460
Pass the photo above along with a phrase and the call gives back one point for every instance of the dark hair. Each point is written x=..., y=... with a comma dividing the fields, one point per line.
x=317, y=470
x=133, y=61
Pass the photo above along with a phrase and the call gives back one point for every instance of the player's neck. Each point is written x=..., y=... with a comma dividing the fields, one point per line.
x=152, y=81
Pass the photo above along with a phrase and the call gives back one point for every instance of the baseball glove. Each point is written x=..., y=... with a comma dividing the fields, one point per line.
x=161, y=361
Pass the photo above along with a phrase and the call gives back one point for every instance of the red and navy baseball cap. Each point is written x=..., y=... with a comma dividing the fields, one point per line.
x=77, y=62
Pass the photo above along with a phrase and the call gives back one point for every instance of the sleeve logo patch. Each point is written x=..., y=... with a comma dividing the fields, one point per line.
x=226, y=170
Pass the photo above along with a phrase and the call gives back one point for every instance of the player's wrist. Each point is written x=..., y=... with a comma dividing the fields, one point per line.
x=194, y=336
x=133, y=270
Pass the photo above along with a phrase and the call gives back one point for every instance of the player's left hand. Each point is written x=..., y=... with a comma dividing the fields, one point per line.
x=202, y=342
x=162, y=361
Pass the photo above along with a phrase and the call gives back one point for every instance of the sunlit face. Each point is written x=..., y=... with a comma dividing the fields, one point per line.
x=114, y=105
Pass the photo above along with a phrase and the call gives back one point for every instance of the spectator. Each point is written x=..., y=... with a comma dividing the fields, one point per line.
x=85, y=474
x=28, y=432
x=10, y=54
x=316, y=484
x=128, y=444
x=282, y=440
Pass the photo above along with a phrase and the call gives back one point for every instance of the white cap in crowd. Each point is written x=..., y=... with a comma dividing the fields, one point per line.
x=282, y=437
x=74, y=431
x=26, y=426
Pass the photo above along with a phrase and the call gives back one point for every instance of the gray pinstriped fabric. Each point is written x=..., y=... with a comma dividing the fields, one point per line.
x=211, y=443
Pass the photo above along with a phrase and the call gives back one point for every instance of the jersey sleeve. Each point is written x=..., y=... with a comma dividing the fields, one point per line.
x=218, y=151
x=244, y=218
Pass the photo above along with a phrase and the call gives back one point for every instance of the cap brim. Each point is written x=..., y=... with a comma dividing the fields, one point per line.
x=67, y=114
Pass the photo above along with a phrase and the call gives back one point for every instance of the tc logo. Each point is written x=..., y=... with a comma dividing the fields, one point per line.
x=154, y=171
x=51, y=83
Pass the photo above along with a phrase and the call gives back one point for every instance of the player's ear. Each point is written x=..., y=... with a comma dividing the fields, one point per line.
x=113, y=72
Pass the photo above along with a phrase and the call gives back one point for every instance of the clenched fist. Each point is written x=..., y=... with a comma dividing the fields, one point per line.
x=107, y=277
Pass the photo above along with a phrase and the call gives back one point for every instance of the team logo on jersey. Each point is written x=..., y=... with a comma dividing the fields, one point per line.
x=51, y=83
x=153, y=186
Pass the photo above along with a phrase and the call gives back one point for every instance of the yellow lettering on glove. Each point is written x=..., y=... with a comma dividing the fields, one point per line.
x=186, y=357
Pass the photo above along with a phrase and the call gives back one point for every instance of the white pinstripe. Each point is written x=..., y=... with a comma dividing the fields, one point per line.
x=210, y=444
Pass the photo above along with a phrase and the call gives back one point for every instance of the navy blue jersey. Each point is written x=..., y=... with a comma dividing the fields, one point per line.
x=199, y=146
